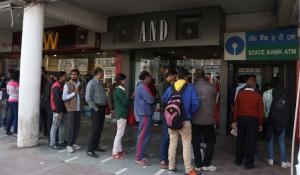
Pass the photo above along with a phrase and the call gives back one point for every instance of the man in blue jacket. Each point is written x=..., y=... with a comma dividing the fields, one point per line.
x=144, y=109
x=191, y=104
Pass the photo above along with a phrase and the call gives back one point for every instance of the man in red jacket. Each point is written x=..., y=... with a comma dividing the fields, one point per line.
x=248, y=118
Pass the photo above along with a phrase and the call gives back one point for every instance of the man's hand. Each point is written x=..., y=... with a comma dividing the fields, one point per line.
x=59, y=116
x=259, y=128
x=77, y=90
x=234, y=125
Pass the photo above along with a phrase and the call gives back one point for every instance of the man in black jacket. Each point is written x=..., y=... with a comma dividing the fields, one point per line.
x=59, y=109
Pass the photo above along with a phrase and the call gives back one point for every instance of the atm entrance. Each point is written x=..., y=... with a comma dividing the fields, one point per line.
x=264, y=72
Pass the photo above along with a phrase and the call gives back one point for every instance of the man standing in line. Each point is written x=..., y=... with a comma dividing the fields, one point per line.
x=4, y=102
x=164, y=145
x=59, y=110
x=144, y=109
x=191, y=103
x=248, y=118
x=96, y=98
x=203, y=123
x=72, y=99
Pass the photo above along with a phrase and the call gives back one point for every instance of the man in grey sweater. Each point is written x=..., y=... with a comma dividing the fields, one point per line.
x=203, y=123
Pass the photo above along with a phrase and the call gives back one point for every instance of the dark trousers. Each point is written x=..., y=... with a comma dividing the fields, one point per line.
x=74, y=124
x=98, y=118
x=44, y=120
x=49, y=117
x=246, y=138
x=206, y=134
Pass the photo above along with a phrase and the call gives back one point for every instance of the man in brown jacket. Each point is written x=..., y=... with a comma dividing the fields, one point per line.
x=72, y=99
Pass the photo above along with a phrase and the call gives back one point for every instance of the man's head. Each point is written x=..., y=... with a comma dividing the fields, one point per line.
x=183, y=73
x=275, y=82
x=15, y=75
x=61, y=76
x=241, y=78
x=99, y=73
x=251, y=82
x=146, y=77
x=199, y=74
x=43, y=71
x=171, y=75
x=74, y=74
x=10, y=72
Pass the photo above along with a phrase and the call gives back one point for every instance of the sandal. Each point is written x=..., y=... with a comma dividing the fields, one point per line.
x=163, y=165
x=123, y=152
x=118, y=156
x=142, y=162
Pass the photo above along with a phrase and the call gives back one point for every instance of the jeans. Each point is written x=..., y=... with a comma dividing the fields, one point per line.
x=143, y=136
x=3, y=112
x=281, y=141
x=13, y=117
x=165, y=140
x=57, y=124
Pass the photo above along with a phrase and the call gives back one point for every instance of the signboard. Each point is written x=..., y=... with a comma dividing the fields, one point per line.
x=262, y=45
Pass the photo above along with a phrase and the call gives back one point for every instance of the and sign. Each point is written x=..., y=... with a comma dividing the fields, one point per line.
x=163, y=31
x=262, y=45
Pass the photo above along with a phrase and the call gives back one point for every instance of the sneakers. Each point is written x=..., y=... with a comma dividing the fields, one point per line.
x=209, y=168
x=285, y=164
x=70, y=149
x=76, y=147
x=3, y=128
x=270, y=162
x=194, y=172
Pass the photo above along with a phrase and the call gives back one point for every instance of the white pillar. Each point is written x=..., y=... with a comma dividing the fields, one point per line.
x=30, y=75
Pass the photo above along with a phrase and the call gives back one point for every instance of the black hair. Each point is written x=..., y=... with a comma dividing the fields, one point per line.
x=119, y=78
x=75, y=70
x=144, y=74
x=171, y=72
x=241, y=79
x=60, y=74
x=200, y=74
x=15, y=75
x=275, y=82
x=43, y=68
x=11, y=71
x=182, y=72
x=98, y=70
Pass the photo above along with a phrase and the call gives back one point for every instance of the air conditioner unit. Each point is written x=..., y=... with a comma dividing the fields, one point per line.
x=189, y=28
x=85, y=38
x=124, y=33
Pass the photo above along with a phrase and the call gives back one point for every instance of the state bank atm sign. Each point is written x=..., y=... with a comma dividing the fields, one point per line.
x=262, y=45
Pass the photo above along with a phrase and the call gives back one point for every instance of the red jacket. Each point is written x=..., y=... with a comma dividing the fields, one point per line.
x=57, y=104
x=249, y=103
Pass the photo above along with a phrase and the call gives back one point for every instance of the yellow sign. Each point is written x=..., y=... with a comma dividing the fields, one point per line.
x=48, y=40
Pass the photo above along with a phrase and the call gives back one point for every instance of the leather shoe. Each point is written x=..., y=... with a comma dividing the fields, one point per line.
x=92, y=154
x=99, y=149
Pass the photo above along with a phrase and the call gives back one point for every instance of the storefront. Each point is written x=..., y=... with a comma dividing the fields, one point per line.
x=190, y=38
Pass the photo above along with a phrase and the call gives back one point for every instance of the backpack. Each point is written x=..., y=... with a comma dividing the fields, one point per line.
x=175, y=113
x=280, y=110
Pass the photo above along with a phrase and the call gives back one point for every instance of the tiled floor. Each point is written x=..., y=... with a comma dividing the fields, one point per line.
x=45, y=161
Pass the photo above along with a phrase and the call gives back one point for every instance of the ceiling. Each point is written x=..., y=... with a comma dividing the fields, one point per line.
x=125, y=7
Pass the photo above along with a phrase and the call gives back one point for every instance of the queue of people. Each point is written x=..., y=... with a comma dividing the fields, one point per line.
x=191, y=107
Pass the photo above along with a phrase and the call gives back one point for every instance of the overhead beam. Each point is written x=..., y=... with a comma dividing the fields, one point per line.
x=285, y=12
x=74, y=15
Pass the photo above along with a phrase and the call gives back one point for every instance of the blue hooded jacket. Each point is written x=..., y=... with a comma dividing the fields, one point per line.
x=143, y=100
x=189, y=97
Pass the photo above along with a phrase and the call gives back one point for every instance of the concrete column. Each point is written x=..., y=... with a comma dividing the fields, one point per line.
x=30, y=75
x=223, y=97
